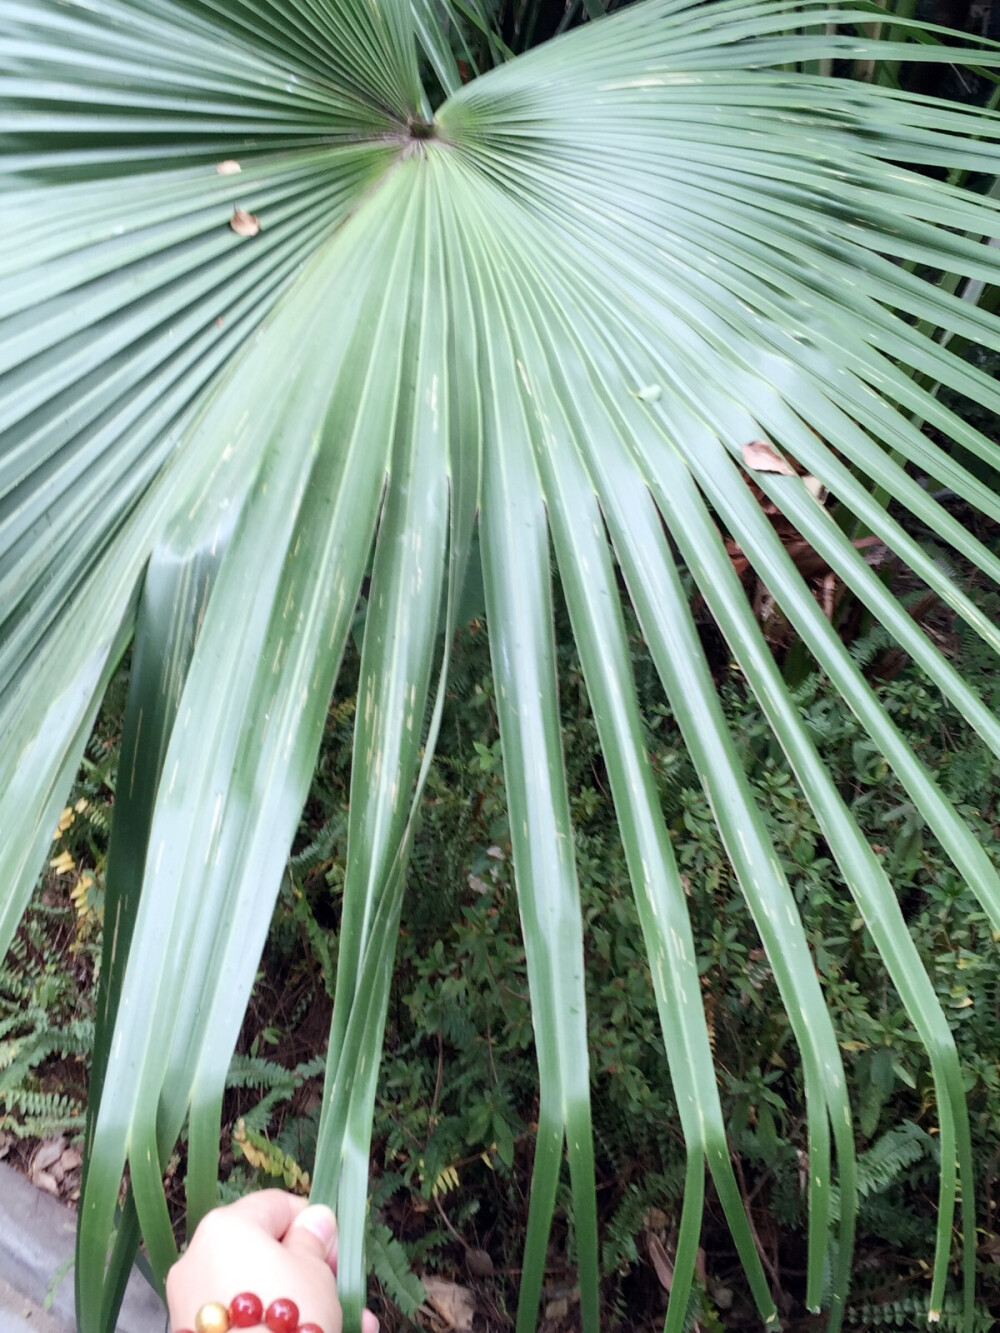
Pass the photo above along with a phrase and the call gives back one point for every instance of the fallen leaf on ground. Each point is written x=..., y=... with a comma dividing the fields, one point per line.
x=48, y=1153
x=454, y=1304
x=660, y=1260
x=43, y=1181
x=71, y=1160
x=763, y=457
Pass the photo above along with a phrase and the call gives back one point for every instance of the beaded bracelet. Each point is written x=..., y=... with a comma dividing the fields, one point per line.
x=247, y=1311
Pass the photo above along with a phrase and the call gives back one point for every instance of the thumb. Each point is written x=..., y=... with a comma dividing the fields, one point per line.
x=314, y=1231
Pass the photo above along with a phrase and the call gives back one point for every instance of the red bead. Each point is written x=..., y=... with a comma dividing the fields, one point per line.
x=246, y=1310
x=282, y=1316
x=310, y=1328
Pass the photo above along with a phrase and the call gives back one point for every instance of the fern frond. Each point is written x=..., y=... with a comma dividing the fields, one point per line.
x=885, y=1161
x=392, y=1268
x=255, y=1071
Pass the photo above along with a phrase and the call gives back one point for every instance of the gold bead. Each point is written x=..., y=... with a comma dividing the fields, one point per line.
x=212, y=1318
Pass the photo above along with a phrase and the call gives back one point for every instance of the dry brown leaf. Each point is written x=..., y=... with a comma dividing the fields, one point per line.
x=454, y=1304
x=48, y=1153
x=71, y=1159
x=763, y=457
x=244, y=223
x=660, y=1261
x=228, y=168
x=478, y=1263
x=43, y=1181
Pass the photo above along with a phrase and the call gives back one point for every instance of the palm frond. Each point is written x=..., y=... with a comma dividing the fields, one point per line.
x=567, y=302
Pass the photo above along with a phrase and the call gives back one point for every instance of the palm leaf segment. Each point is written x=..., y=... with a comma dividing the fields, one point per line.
x=564, y=304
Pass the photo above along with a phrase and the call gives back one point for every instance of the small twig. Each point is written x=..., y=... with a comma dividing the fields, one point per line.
x=489, y=1052
x=440, y=1075
x=448, y=1223
x=765, y=1259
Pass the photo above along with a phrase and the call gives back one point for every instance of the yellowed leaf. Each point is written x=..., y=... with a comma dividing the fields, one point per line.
x=763, y=457
x=260, y=1160
x=446, y=1181
x=244, y=223
x=78, y=894
x=65, y=819
x=62, y=864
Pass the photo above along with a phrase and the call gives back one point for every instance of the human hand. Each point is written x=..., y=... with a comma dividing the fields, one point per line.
x=270, y=1243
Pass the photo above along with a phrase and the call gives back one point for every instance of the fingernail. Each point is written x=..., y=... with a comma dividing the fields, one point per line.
x=320, y=1220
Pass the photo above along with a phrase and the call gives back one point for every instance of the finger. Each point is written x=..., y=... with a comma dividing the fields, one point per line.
x=369, y=1324
x=273, y=1211
x=313, y=1231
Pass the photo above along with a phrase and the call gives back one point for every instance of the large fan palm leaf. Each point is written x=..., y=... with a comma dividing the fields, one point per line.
x=268, y=326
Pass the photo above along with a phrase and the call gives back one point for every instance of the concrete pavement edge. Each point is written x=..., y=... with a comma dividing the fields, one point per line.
x=37, y=1236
